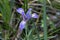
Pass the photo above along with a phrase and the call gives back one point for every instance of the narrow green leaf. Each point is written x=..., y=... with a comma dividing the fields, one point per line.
x=44, y=20
x=5, y=10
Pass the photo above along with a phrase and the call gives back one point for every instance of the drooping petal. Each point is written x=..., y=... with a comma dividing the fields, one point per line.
x=22, y=25
x=34, y=15
x=28, y=14
x=21, y=11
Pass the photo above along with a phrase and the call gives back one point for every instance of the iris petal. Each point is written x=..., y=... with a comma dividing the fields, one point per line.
x=21, y=11
x=22, y=25
x=28, y=14
x=34, y=15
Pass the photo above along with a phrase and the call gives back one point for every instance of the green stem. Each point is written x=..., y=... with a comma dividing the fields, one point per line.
x=44, y=19
x=25, y=5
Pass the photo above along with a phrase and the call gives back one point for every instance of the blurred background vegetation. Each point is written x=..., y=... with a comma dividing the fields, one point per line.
x=46, y=27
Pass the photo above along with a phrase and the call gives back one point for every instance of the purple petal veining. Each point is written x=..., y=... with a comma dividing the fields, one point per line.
x=34, y=15
x=28, y=14
x=22, y=25
x=21, y=11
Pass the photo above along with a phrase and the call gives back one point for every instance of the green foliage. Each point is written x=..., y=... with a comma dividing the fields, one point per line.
x=32, y=30
x=56, y=5
x=5, y=10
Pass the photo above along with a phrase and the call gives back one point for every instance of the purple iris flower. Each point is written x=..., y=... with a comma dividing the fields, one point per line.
x=25, y=17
